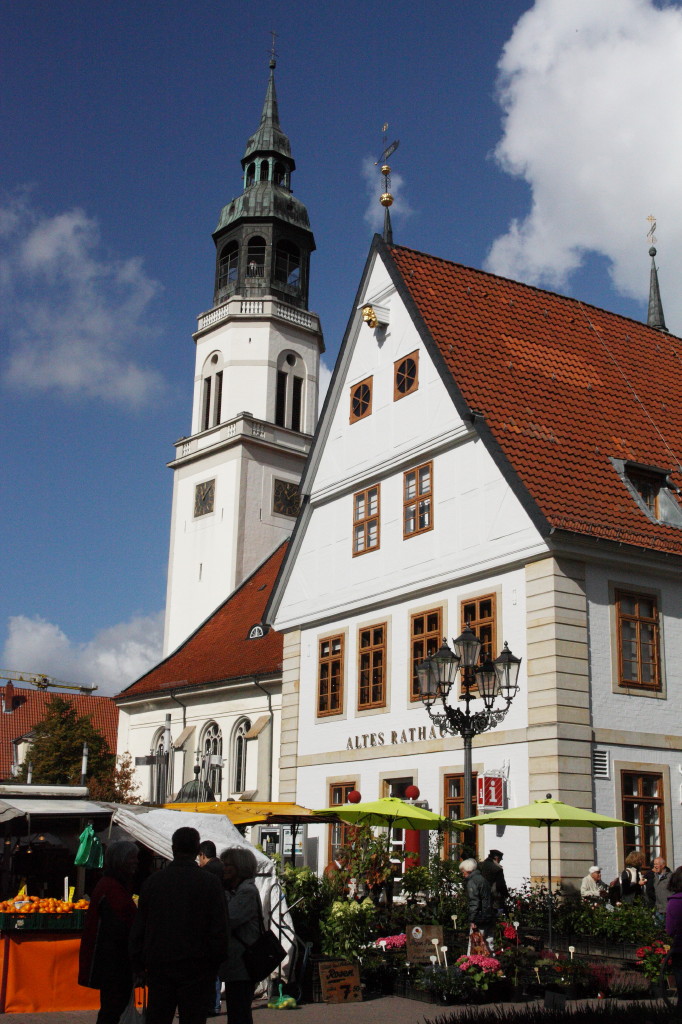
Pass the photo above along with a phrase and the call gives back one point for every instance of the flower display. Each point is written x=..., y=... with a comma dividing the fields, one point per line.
x=510, y=932
x=650, y=959
x=480, y=970
x=393, y=941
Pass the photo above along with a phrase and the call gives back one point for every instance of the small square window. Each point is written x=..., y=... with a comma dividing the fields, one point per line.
x=418, y=500
x=406, y=376
x=361, y=399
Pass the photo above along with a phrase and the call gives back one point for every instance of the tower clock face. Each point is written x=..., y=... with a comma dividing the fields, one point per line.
x=204, y=498
x=286, y=498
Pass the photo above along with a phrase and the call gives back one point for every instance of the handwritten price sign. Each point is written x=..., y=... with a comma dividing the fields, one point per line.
x=340, y=983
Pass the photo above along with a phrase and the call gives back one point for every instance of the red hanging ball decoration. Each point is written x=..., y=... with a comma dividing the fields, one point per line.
x=354, y=797
x=412, y=792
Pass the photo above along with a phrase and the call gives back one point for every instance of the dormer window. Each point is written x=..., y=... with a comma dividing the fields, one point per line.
x=652, y=489
x=256, y=631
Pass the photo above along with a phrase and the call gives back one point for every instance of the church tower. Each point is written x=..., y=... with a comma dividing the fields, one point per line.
x=235, y=488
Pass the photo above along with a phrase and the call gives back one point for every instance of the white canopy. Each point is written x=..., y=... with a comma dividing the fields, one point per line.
x=17, y=807
x=154, y=827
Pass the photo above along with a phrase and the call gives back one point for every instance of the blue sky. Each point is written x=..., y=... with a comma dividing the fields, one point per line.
x=535, y=137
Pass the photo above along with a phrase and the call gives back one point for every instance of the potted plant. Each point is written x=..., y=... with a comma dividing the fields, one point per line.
x=650, y=961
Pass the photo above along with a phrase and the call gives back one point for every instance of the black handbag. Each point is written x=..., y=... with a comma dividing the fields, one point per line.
x=263, y=956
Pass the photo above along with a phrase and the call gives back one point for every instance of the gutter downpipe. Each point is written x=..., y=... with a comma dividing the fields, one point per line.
x=270, y=738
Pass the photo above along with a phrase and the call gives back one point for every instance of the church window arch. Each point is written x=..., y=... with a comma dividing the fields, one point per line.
x=289, y=391
x=228, y=265
x=280, y=174
x=288, y=264
x=264, y=170
x=238, y=761
x=250, y=175
x=255, y=257
x=212, y=757
x=158, y=780
x=212, y=392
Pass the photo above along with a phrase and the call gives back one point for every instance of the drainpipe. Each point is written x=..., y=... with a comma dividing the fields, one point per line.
x=167, y=752
x=184, y=724
x=270, y=738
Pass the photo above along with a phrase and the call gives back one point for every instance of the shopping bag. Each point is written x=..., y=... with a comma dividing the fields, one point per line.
x=136, y=1010
x=263, y=956
x=89, y=853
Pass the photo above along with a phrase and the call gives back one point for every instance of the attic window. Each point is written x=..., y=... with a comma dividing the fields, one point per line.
x=652, y=489
x=256, y=631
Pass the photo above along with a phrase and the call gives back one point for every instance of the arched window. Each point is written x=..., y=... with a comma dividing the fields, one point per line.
x=212, y=392
x=212, y=758
x=264, y=170
x=158, y=782
x=289, y=391
x=255, y=257
x=250, y=175
x=239, y=742
x=280, y=175
x=228, y=265
x=288, y=264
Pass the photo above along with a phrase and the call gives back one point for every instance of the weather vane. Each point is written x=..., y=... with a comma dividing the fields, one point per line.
x=386, y=199
x=273, y=52
x=651, y=236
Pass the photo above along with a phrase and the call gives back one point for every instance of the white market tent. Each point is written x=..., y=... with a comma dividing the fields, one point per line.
x=154, y=827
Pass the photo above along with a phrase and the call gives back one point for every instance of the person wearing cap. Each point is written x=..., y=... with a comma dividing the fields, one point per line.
x=592, y=886
x=493, y=872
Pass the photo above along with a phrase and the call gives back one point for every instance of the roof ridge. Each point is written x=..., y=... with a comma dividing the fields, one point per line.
x=531, y=287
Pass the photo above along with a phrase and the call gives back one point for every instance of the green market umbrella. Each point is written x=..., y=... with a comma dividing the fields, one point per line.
x=390, y=812
x=549, y=814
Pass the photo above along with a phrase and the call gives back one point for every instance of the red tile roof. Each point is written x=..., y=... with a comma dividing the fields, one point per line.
x=562, y=387
x=220, y=648
x=24, y=707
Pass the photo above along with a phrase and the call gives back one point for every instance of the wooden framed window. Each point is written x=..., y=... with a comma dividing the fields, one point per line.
x=372, y=667
x=453, y=808
x=426, y=634
x=479, y=613
x=361, y=399
x=418, y=500
x=366, y=520
x=638, y=641
x=338, y=831
x=643, y=804
x=330, y=677
x=405, y=376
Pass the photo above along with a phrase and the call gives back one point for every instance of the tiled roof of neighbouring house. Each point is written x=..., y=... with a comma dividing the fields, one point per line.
x=220, y=649
x=562, y=387
x=24, y=707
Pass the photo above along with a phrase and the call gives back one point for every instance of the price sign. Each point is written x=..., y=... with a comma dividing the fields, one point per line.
x=340, y=982
x=420, y=947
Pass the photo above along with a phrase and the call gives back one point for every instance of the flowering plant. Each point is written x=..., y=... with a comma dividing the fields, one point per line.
x=393, y=941
x=509, y=932
x=650, y=959
x=479, y=969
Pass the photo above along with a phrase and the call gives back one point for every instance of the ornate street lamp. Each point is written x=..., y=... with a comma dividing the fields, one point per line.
x=493, y=680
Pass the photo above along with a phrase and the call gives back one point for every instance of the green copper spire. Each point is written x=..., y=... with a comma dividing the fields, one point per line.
x=655, y=316
x=269, y=138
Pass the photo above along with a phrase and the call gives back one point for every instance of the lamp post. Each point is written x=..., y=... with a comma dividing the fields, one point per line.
x=493, y=679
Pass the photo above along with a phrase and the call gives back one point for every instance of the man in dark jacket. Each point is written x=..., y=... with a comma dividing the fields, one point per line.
x=209, y=859
x=180, y=935
x=493, y=872
x=479, y=897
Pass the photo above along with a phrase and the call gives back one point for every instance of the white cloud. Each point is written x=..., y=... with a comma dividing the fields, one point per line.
x=374, y=213
x=325, y=376
x=74, y=314
x=590, y=94
x=114, y=658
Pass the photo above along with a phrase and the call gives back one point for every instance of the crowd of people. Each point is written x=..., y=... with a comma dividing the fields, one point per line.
x=185, y=937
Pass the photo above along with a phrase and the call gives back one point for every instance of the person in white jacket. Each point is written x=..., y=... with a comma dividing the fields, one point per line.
x=592, y=886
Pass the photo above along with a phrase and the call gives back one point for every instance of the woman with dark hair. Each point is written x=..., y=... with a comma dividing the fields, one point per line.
x=673, y=926
x=104, y=961
x=245, y=915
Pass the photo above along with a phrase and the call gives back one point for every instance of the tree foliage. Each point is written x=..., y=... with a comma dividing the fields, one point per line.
x=56, y=750
x=118, y=786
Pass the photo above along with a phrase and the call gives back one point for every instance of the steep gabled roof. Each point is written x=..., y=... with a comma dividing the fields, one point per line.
x=220, y=649
x=25, y=707
x=562, y=388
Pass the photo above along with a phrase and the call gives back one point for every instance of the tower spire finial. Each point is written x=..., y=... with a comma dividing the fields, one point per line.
x=386, y=198
x=273, y=52
x=655, y=316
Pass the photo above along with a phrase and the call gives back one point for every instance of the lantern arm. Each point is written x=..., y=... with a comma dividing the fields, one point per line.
x=466, y=725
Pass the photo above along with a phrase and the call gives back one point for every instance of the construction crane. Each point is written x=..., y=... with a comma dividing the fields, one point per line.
x=43, y=682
